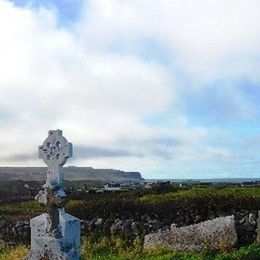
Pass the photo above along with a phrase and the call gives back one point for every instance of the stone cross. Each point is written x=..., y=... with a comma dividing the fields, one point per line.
x=54, y=234
x=55, y=151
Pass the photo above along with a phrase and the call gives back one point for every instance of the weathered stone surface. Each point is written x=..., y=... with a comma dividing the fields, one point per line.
x=69, y=241
x=53, y=249
x=258, y=229
x=55, y=234
x=216, y=233
x=55, y=151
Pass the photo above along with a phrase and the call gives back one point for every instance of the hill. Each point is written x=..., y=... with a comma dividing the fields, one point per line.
x=71, y=173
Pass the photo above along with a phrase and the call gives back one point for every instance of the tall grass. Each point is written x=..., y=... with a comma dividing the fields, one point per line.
x=95, y=246
x=14, y=253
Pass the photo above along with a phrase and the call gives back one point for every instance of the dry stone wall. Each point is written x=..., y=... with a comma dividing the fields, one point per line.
x=12, y=233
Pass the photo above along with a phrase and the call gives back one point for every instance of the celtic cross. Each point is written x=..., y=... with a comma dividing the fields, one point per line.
x=55, y=151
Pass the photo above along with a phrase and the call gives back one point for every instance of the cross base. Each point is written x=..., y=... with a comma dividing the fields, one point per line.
x=65, y=247
x=53, y=249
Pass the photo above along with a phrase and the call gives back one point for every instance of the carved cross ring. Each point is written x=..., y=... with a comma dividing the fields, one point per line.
x=55, y=150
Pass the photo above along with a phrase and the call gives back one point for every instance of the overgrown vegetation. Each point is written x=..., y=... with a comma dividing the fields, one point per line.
x=160, y=204
x=13, y=253
x=238, y=192
x=207, y=202
x=104, y=247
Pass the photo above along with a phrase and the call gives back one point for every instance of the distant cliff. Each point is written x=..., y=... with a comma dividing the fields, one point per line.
x=71, y=173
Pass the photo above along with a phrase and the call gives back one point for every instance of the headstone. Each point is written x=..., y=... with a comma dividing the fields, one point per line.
x=216, y=234
x=54, y=234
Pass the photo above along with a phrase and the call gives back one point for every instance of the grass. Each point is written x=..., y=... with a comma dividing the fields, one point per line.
x=113, y=247
x=14, y=253
x=202, y=192
x=21, y=207
x=27, y=209
x=107, y=248
x=154, y=202
x=20, y=210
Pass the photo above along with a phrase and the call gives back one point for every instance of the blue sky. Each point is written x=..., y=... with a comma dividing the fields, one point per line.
x=167, y=88
x=67, y=11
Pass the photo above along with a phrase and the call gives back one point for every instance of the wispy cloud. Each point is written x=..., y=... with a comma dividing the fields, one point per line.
x=85, y=152
x=18, y=158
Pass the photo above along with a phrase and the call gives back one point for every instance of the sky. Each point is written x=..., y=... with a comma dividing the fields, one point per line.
x=169, y=88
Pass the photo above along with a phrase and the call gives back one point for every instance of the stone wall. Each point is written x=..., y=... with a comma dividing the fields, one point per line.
x=246, y=226
x=14, y=233
x=19, y=232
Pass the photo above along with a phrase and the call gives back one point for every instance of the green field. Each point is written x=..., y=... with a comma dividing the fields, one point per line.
x=212, y=192
x=207, y=201
x=140, y=201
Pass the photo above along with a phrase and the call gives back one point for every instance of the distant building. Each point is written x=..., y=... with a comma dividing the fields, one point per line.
x=148, y=185
x=250, y=183
x=112, y=186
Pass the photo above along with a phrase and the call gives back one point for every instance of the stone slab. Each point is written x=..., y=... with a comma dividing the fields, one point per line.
x=215, y=234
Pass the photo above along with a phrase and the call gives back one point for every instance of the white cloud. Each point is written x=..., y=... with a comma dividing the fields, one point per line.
x=51, y=79
x=208, y=39
x=91, y=81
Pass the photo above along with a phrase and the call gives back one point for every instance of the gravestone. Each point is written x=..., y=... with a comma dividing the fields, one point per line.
x=214, y=234
x=54, y=234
